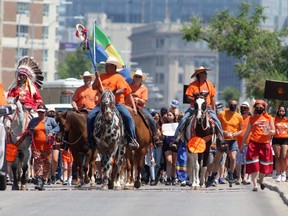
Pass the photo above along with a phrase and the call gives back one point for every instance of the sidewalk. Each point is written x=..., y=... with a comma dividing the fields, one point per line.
x=280, y=187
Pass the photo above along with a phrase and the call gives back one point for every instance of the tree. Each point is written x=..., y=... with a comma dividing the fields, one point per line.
x=230, y=93
x=259, y=52
x=75, y=64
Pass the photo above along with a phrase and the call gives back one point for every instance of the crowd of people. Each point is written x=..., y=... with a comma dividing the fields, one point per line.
x=242, y=152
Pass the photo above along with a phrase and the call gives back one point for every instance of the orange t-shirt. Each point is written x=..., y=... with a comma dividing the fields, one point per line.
x=85, y=97
x=40, y=142
x=281, y=127
x=260, y=132
x=3, y=101
x=241, y=136
x=139, y=92
x=230, y=122
x=196, y=87
x=113, y=82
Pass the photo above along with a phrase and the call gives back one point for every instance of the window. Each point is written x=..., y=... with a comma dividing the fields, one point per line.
x=45, y=32
x=180, y=78
x=159, y=43
x=23, y=52
x=23, y=8
x=45, y=55
x=160, y=78
x=45, y=10
x=22, y=30
x=160, y=61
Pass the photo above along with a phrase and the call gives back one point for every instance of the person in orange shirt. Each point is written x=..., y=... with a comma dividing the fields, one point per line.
x=84, y=96
x=114, y=82
x=3, y=101
x=200, y=85
x=232, y=125
x=241, y=156
x=280, y=143
x=259, y=157
x=42, y=130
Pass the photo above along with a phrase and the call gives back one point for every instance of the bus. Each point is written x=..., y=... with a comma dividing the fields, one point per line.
x=59, y=91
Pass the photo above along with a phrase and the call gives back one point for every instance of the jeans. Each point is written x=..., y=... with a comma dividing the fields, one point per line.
x=190, y=112
x=151, y=120
x=126, y=116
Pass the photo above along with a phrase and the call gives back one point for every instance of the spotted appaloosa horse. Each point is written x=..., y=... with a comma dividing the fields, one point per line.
x=110, y=140
x=201, y=125
x=16, y=125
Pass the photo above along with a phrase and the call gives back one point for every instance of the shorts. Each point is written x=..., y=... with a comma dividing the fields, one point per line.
x=259, y=158
x=233, y=145
x=279, y=141
x=241, y=157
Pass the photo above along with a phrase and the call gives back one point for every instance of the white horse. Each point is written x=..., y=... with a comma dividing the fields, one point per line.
x=16, y=125
x=201, y=126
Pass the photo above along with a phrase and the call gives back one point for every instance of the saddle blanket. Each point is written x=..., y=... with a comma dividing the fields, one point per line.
x=168, y=129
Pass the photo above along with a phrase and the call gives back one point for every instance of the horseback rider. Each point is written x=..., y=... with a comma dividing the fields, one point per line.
x=200, y=85
x=27, y=82
x=84, y=96
x=140, y=96
x=114, y=82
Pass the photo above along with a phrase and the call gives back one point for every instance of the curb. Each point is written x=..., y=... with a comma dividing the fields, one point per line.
x=276, y=189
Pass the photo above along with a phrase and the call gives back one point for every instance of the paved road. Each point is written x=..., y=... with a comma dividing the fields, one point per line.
x=159, y=200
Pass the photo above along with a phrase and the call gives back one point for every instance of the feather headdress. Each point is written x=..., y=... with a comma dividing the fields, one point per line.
x=29, y=67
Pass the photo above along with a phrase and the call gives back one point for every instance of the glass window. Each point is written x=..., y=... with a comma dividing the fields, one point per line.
x=45, y=55
x=22, y=30
x=160, y=61
x=45, y=32
x=45, y=9
x=23, y=52
x=160, y=43
x=23, y=8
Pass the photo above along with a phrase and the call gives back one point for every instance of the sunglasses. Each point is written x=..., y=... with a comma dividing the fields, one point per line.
x=136, y=76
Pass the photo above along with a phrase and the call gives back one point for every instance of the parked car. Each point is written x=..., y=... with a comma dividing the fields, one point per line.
x=4, y=110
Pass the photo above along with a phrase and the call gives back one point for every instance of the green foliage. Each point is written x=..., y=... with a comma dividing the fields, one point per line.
x=259, y=52
x=74, y=65
x=230, y=93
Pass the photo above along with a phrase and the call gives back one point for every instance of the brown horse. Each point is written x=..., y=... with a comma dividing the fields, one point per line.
x=134, y=159
x=76, y=134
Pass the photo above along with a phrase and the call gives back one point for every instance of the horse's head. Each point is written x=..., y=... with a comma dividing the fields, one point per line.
x=107, y=105
x=200, y=104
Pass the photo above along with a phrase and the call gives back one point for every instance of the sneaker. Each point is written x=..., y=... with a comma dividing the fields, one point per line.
x=133, y=144
x=246, y=182
x=168, y=182
x=221, y=180
x=153, y=183
x=283, y=176
x=262, y=186
x=65, y=182
x=278, y=178
x=183, y=183
x=237, y=182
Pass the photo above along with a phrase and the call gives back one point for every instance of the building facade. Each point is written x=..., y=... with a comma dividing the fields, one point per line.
x=28, y=28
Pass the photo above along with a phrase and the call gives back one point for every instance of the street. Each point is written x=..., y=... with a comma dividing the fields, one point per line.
x=159, y=200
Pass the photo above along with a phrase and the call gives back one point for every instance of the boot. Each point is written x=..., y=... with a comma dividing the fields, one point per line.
x=40, y=183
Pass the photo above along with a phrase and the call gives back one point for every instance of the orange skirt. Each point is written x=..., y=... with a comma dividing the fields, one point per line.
x=67, y=157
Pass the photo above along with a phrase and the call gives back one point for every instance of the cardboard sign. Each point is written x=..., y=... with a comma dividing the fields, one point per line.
x=168, y=129
x=276, y=90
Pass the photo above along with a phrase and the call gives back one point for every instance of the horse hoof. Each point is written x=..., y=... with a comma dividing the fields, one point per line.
x=104, y=187
x=137, y=184
x=24, y=187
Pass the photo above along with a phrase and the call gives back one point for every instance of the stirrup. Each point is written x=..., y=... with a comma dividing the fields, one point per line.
x=133, y=144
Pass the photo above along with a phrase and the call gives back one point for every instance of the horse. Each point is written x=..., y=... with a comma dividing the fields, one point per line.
x=75, y=128
x=110, y=140
x=134, y=159
x=16, y=124
x=200, y=125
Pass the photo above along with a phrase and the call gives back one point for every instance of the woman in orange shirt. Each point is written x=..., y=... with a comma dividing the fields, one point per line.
x=280, y=143
x=42, y=129
x=259, y=157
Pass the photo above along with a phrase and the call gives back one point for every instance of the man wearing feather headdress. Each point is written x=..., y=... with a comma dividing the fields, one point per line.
x=27, y=82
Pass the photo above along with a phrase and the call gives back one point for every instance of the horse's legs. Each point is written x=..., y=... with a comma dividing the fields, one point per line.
x=25, y=166
x=86, y=166
x=195, y=170
x=139, y=158
x=121, y=152
x=14, y=167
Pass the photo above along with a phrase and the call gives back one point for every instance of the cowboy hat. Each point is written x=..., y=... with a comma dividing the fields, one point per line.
x=139, y=73
x=199, y=70
x=87, y=74
x=245, y=104
x=114, y=61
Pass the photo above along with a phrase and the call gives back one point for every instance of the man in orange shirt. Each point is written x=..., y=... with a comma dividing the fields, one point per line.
x=84, y=96
x=200, y=85
x=232, y=125
x=116, y=83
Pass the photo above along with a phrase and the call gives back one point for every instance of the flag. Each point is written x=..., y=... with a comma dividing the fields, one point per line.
x=105, y=48
x=105, y=44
